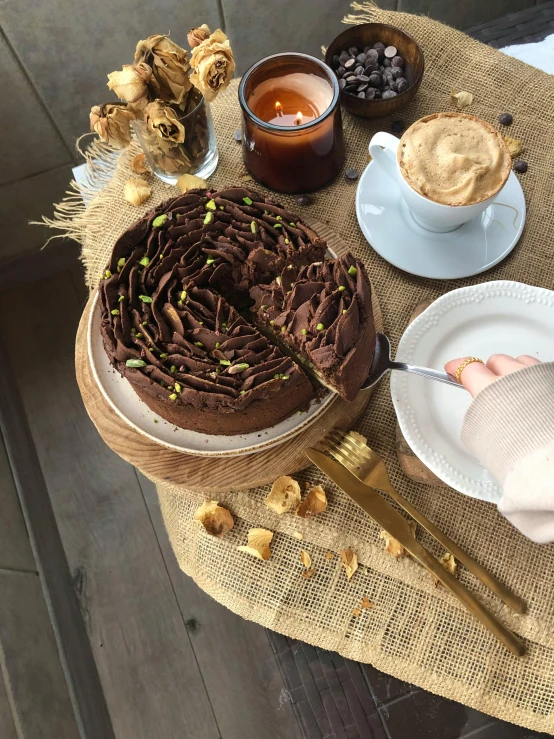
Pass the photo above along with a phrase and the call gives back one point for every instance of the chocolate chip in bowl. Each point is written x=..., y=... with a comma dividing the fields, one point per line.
x=379, y=68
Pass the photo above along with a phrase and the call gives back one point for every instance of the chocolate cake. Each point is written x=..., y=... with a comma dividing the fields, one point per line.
x=170, y=299
x=323, y=314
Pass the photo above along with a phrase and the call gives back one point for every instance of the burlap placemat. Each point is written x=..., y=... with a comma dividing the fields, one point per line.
x=414, y=631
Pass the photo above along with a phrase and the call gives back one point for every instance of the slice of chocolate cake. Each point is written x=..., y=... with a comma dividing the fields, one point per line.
x=323, y=314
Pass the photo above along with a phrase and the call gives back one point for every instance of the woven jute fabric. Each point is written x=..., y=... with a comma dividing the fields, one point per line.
x=415, y=631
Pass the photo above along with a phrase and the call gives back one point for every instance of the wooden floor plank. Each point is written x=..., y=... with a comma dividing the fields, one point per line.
x=238, y=665
x=7, y=726
x=15, y=548
x=30, y=663
x=149, y=674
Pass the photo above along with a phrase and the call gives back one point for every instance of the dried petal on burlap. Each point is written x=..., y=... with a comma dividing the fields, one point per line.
x=284, y=496
x=258, y=543
x=170, y=67
x=462, y=98
x=305, y=559
x=515, y=146
x=366, y=603
x=315, y=502
x=214, y=518
x=136, y=191
x=449, y=563
x=350, y=561
x=112, y=122
x=356, y=612
x=297, y=535
x=188, y=182
x=393, y=546
x=138, y=164
x=308, y=573
x=213, y=65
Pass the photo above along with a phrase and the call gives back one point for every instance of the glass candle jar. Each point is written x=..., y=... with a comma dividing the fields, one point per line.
x=292, y=137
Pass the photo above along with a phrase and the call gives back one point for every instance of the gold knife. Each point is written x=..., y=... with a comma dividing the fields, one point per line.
x=396, y=525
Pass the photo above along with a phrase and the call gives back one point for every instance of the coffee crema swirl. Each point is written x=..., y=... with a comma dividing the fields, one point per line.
x=454, y=159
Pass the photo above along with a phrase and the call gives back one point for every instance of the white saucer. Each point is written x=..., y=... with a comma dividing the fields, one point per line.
x=490, y=318
x=474, y=247
x=126, y=403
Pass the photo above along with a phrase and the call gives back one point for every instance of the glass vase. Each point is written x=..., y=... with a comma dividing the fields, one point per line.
x=198, y=153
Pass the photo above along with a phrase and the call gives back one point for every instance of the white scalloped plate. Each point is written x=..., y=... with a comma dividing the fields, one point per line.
x=491, y=318
x=128, y=406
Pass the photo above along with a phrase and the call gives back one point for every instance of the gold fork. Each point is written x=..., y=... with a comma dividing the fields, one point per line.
x=350, y=450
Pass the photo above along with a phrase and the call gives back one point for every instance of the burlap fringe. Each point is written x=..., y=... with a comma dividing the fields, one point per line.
x=365, y=13
x=76, y=215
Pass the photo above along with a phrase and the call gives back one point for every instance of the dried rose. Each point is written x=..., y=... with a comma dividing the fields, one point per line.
x=196, y=35
x=131, y=83
x=515, y=147
x=111, y=122
x=213, y=65
x=170, y=67
x=449, y=563
x=136, y=192
x=162, y=120
x=393, y=546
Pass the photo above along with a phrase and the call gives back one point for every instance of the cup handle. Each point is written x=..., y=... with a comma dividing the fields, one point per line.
x=382, y=149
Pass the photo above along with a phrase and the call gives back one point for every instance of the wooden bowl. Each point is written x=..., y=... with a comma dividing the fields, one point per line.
x=368, y=34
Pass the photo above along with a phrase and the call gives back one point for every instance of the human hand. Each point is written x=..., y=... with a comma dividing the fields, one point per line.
x=477, y=376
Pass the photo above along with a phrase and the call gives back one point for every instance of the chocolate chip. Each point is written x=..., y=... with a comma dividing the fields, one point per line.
x=366, y=49
x=393, y=85
x=344, y=56
x=375, y=80
x=372, y=56
x=396, y=72
x=398, y=61
x=361, y=94
x=304, y=199
x=342, y=84
x=351, y=174
x=386, y=62
x=389, y=94
x=238, y=135
x=390, y=52
x=349, y=64
x=350, y=79
x=506, y=119
x=371, y=93
x=362, y=78
x=341, y=71
x=379, y=46
x=358, y=70
x=350, y=88
x=397, y=126
x=361, y=58
x=371, y=68
x=520, y=165
x=363, y=87
x=353, y=51
x=335, y=62
x=402, y=84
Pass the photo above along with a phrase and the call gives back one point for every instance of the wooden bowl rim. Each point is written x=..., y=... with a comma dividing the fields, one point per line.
x=416, y=81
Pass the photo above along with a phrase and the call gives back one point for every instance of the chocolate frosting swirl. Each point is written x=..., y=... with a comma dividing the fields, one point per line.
x=168, y=324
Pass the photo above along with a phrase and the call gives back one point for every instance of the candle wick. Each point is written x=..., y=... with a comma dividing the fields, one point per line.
x=278, y=108
x=298, y=119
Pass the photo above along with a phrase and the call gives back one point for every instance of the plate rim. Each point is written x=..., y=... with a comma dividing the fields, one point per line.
x=398, y=389
x=252, y=449
x=397, y=265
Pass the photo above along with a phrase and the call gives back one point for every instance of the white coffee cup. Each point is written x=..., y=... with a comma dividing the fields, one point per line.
x=432, y=216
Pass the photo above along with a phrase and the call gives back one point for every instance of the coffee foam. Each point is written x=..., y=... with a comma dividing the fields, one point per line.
x=454, y=159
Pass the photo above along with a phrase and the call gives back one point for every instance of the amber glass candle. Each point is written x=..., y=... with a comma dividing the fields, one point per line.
x=292, y=129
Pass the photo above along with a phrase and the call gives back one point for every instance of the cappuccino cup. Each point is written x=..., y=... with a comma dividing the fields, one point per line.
x=449, y=168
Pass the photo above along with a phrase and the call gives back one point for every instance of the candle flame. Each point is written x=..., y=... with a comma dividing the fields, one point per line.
x=298, y=120
x=278, y=108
